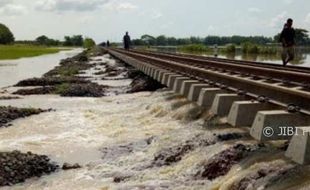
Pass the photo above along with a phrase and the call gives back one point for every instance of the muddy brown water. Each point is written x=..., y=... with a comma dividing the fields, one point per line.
x=118, y=138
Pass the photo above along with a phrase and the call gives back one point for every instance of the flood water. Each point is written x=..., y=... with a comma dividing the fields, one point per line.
x=119, y=136
x=12, y=71
x=302, y=57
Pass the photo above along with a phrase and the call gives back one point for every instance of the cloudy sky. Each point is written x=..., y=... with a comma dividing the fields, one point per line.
x=109, y=19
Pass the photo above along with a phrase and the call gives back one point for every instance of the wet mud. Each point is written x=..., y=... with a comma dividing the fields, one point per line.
x=220, y=164
x=8, y=114
x=9, y=97
x=171, y=155
x=16, y=167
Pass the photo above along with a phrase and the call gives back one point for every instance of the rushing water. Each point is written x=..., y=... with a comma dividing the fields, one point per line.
x=12, y=71
x=106, y=136
x=118, y=136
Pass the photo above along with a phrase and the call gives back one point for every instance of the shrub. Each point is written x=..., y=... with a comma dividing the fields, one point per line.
x=268, y=50
x=194, y=48
x=230, y=48
x=248, y=47
x=89, y=43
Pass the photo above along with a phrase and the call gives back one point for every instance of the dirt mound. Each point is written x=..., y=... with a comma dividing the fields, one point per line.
x=144, y=83
x=81, y=90
x=33, y=91
x=175, y=153
x=49, y=81
x=8, y=114
x=16, y=167
x=220, y=164
x=9, y=97
x=67, y=89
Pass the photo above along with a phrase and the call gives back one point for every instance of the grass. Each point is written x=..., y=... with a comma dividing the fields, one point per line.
x=20, y=51
x=230, y=48
x=62, y=88
x=194, y=48
x=69, y=72
x=268, y=50
x=250, y=48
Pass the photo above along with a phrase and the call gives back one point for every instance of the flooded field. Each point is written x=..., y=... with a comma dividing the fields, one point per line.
x=12, y=71
x=302, y=56
x=145, y=140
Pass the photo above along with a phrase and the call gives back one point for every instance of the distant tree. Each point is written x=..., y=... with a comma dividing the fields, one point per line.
x=68, y=41
x=302, y=37
x=88, y=43
x=138, y=42
x=172, y=41
x=196, y=40
x=276, y=38
x=209, y=40
x=148, y=40
x=238, y=40
x=76, y=40
x=161, y=40
x=6, y=36
x=42, y=40
x=183, y=41
x=52, y=42
x=28, y=42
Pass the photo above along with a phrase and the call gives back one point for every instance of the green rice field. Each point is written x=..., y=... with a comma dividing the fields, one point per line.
x=20, y=51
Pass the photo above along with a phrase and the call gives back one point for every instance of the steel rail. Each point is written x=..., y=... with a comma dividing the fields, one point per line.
x=233, y=61
x=278, y=75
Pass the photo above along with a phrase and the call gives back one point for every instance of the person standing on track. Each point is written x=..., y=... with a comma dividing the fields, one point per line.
x=126, y=41
x=287, y=38
x=216, y=50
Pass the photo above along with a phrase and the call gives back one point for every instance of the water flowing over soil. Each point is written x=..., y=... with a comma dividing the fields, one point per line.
x=144, y=140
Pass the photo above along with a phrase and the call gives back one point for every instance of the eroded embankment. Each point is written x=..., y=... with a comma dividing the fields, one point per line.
x=75, y=77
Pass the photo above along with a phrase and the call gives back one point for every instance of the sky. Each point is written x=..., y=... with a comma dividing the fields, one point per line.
x=109, y=19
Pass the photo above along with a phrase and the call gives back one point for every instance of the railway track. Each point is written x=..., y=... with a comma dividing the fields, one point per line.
x=274, y=73
x=283, y=88
x=249, y=95
x=232, y=61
